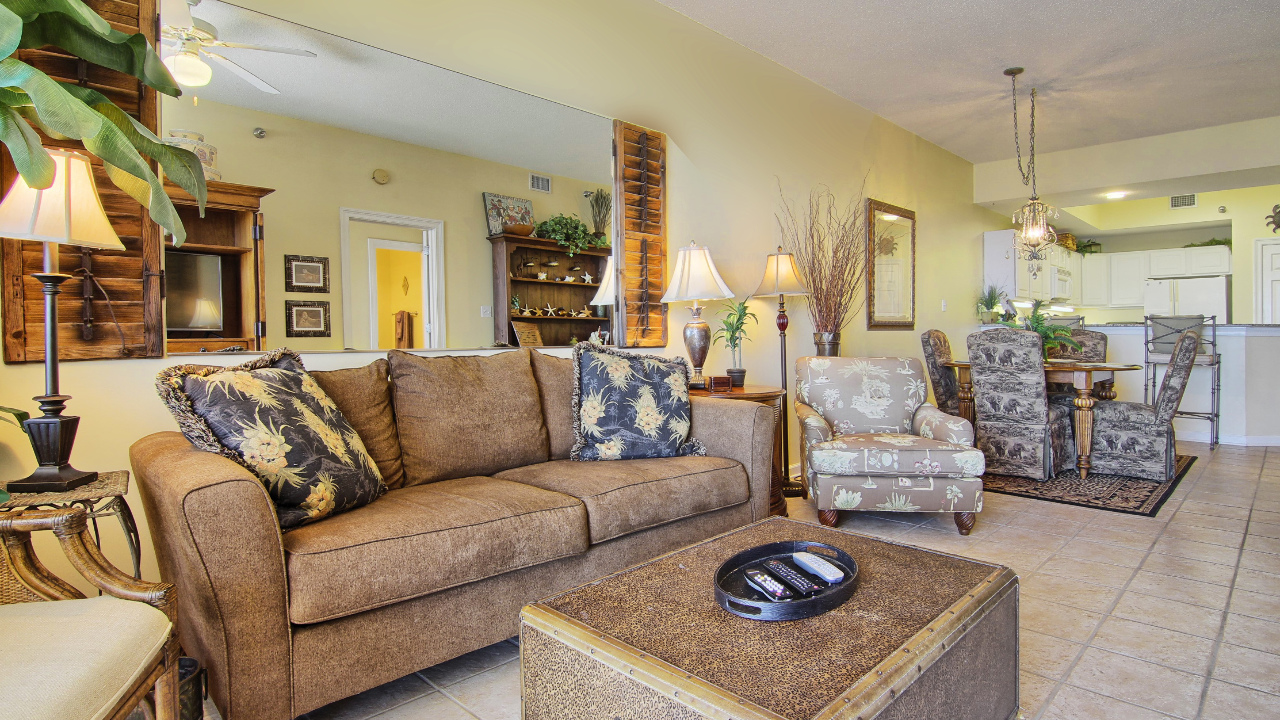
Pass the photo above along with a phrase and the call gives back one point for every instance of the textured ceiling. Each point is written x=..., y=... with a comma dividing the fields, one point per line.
x=1106, y=70
x=365, y=89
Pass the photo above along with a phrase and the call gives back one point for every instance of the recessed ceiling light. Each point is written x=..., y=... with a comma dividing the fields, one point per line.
x=1117, y=195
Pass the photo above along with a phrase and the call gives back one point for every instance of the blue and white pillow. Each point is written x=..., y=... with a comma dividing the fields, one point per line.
x=628, y=406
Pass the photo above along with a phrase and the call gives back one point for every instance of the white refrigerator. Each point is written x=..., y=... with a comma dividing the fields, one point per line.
x=1189, y=296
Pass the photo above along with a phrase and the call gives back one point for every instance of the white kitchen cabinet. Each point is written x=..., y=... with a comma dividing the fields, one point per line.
x=1077, y=275
x=1212, y=260
x=1128, y=279
x=1167, y=263
x=1095, y=281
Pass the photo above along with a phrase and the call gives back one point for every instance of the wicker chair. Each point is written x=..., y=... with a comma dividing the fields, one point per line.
x=80, y=657
x=946, y=387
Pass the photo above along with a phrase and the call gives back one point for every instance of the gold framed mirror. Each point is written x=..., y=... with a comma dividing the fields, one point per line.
x=891, y=267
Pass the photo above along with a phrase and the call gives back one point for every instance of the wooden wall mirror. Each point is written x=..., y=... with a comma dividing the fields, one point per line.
x=891, y=267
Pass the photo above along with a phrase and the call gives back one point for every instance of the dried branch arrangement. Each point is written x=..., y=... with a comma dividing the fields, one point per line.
x=829, y=241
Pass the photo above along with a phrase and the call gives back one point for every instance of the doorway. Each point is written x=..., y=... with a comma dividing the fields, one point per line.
x=411, y=255
x=1266, y=288
x=397, y=271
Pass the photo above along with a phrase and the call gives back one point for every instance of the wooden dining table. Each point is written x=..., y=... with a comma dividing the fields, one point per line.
x=1083, y=376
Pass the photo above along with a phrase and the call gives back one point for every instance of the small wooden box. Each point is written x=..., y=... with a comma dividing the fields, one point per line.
x=719, y=383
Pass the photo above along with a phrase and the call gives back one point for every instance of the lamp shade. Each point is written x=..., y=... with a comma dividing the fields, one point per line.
x=781, y=276
x=605, y=295
x=207, y=315
x=67, y=212
x=696, y=278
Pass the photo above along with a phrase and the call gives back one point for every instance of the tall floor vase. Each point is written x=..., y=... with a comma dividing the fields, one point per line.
x=828, y=344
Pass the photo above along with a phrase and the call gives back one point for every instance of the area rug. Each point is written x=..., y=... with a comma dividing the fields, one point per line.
x=1117, y=493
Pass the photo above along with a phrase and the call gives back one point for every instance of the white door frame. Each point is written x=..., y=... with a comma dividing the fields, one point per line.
x=376, y=244
x=433, y=314
x=1258, y=274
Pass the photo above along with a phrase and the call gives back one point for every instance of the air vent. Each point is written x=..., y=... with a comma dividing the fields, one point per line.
x=541, y=183
x=1182, y=201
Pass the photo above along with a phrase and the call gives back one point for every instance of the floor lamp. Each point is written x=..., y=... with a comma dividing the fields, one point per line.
x=68, y=212
x=782, y=278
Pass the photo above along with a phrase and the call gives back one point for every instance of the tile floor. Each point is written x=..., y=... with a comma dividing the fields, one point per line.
x=1123, y=617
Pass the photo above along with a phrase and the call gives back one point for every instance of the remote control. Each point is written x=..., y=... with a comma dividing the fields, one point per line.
x=818, y=566
x=800, y=583
x=765, y=583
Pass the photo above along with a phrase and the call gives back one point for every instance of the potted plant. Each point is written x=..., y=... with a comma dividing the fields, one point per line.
x=1053, y=336
x=732, y=333
x=569, y=232
x=989, y=305
x=828, y=240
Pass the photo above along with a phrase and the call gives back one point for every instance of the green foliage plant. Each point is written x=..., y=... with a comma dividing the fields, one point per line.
x=601, y=202
x=1210, y=243
x=569, y=232
x=1053, y=336
x=31, y=100
x=989, y=300
x=732, y=332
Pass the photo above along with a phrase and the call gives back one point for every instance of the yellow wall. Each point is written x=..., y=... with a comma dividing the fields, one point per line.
x=317, y=169
x=399, y=288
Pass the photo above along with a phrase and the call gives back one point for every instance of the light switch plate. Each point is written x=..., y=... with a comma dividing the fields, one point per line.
x=486, y=311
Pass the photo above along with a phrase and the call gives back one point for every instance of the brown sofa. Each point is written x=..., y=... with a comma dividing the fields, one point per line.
x=485, y=514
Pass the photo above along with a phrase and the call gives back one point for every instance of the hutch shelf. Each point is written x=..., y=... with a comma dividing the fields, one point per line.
x=517, y=261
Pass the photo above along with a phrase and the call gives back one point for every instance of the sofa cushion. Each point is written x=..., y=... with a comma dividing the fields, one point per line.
x=272, y=417
x=555, y=388
x=363, y=395
x=625, y=496
x=460, y=416
x=894, y=454
x=417, y=540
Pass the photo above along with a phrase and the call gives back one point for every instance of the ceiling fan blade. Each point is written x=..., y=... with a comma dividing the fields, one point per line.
x=267, y=48
x=245, y=75
x=176, y=13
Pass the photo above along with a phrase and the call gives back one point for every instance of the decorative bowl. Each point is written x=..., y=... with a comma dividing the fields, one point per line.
x=518, y=229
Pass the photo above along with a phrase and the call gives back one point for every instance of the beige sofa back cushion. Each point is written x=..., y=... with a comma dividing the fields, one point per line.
x=363, y=395
x=462, y=416
x=555, y=386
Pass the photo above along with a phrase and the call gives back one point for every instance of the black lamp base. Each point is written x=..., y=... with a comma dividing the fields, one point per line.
x=52, y=437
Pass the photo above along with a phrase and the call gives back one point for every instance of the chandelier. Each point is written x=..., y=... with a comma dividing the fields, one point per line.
x=1034, y=234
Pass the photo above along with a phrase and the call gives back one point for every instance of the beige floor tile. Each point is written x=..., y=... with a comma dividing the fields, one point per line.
x=473, y=663
x=861, y=523
x=1226, y=511
x=1083, y=595
x=1028, y=538
x=1045, y=524
x=1169, y=614
x=1207, y=552
x=1257, y=581
x=950, y=542
x=1263, y=607
x=1098, y=552
x=1060, y=621
x=1166, y=690
x=1252, y=633
x=1190, y=569
x=1233, y=702
x=1172, y=588
x=1265, y=562
x=1032, y=692
x=435, y=706
x=1087, y=570
x=1203, y=534
x=1118, y=536
x=1060, y=511
x=1267, y=505
x=1155, y=644
x=493, y=694
x=1264, y=529
x=1217, y=498
x=370, y=702
x=1128, y=523
x=1261, y=516
x=1249, y=667
x=1023, y=561
x=1186, y=517
x=1259, y=543
x=1046, y=655
x=1072, y=703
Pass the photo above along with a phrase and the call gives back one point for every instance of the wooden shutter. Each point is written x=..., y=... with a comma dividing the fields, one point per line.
x=640, y=229
x=131, y=278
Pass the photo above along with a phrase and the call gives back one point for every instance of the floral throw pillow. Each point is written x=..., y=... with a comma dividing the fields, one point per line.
x=628, y=406
x=270, y=416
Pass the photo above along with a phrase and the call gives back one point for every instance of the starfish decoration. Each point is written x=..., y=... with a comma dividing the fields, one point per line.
x=586, y=277
x=1274, y=219
x=551, y=312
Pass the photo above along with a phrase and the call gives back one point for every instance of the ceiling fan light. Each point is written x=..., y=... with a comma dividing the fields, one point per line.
x=188, y=69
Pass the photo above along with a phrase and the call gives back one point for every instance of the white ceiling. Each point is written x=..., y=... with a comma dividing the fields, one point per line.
x=1106, y=70
x=362, y=88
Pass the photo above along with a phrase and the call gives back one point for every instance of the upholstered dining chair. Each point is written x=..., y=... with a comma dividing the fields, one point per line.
x=79, y=658
x=1093, y=348
x=1018, y=431
x=871, y=442
x=946, y=387
x=1136, y=439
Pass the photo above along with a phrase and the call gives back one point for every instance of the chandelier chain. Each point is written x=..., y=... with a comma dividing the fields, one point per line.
x=1029, y=174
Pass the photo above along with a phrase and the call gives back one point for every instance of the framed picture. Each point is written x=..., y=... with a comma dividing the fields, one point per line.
x=306, y=273
x=306, y=318
x=503, y=210
x=527, y=334
x=891, y=267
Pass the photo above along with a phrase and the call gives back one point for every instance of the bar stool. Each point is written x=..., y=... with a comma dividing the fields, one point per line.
x=1162, y=332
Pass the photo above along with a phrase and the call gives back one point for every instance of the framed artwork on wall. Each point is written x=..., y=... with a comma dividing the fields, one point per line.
x=504, y=210
x=307, y=318
x=891, y=267
x=306, y=273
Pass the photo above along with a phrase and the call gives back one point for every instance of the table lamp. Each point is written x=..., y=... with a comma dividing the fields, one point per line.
x=695, y=278
x=605, y=295
x=68, y=212
x=782, y=278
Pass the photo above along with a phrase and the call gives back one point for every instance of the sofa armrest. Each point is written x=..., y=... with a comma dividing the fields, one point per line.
x=930, y=422
x=217, y=538
x=743, y=431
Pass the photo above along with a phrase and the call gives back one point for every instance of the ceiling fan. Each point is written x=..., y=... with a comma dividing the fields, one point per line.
x=186, y=40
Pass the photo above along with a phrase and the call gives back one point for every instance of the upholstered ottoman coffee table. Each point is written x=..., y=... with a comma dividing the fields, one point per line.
x=926, y=635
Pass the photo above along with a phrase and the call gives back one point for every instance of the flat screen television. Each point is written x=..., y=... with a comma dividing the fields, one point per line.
x=193, y=291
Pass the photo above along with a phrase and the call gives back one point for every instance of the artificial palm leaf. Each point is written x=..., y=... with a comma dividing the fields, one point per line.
x=24, y=146
x=10, y=31
x=130, y=54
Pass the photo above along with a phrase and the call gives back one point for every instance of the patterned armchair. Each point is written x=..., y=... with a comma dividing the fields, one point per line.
x=946, y=387
x=1136, y=439
x=1018, y=430
x=871, y=442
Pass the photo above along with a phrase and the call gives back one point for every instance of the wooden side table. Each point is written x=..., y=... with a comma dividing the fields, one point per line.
x=771, y=396
x=103, y=497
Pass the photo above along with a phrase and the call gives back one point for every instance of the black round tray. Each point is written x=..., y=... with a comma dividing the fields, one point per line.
x=735, y=595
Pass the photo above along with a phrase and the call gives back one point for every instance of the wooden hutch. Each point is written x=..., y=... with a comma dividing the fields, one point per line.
x=232, y=230
x=517, y=261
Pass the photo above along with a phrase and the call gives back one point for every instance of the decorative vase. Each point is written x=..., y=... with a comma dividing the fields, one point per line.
x=206, y=153
x=828, y=344
x=737, y=376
